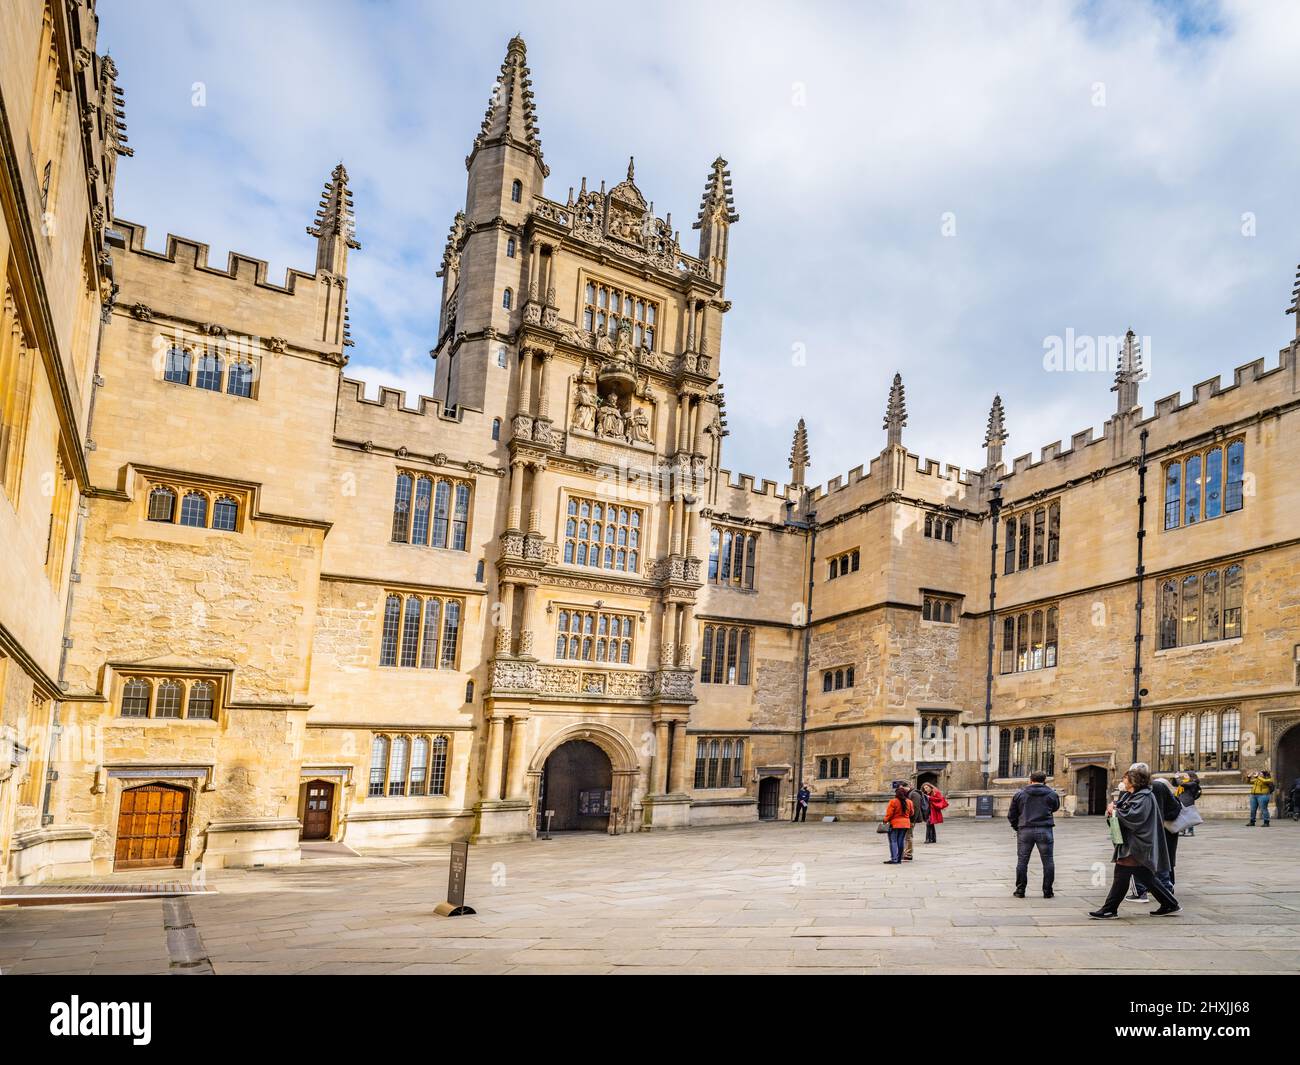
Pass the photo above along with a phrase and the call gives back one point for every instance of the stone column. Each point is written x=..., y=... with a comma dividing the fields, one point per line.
x=674, y=541
x=516, y=495
x=668, y=637
x=492, y=776
x=550, y=275
x=534, y=512
x=683, y=416
x=525, y=382
x=528, y=621
x=660, y=786
x=690, y=325
x=686, y=641
x=701, y=410
x=677, y=770
x=515, y=774
x=506, y=591
x=543, y=398
x=532, y=270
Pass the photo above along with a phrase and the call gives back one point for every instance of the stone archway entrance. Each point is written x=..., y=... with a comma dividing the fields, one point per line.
x=1091, y=789
x=577, y=782
x=1286, y=759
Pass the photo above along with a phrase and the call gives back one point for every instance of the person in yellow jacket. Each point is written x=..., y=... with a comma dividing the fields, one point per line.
x=1261, y=791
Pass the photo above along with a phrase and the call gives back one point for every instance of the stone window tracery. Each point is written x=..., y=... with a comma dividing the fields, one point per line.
x=1208, y=740
x=1033, y=537
x=430, y=511
x=1205, y=484
x=179, y=503
x=719, y=763
x=725, y=654
x=1204, y=606
x=594, y=636
x=732, y=557
x=843, y=564
x=606, y=307
x=169, y=698
x=408, y=765
x=1030, y=639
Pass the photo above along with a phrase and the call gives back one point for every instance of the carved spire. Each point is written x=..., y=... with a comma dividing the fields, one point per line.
x=895, y=413
x=511, y=117
x=1295, y=301
x=1128, y=374
x=335, y=225
x=717, y=213
x=799, y=459
x=996, y=434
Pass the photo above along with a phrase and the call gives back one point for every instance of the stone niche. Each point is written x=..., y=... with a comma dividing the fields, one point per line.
x=612, y=404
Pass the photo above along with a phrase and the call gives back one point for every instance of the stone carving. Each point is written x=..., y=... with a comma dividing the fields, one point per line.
x=584, y=411
x=277, y=344
x=639, y=431
x=610, y=420
x=514, y=675
x=521, y=426
x=143, y=312
x=674, y=684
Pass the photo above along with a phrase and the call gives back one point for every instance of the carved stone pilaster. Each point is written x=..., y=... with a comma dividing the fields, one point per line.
x=676, y=684
x=550, y=318
x=521, y=427
x=503, y=640
x=542, y=433
x=532, y=313
x=526, y=643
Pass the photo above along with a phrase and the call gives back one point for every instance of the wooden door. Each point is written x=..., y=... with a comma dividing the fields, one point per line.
x=769, y=798
x=318, y=818
x=151, y=826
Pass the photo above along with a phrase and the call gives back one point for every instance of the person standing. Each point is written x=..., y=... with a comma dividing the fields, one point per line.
x=1189, y=791
x=1030, y=815
x=937, y=803
x=1261, y=787
x=1142, y=846
x=898, y=816
x=801, y=802
x=920, y=812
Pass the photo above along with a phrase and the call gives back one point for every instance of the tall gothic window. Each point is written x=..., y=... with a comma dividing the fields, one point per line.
x=594, y=636
x=1200, y=607
x=430, y=511
x=726, y=655
x=732, y=556
x=602, y=535
x=419, y=631
x=1205, y=484
x=1030, y=640
x=607, y=307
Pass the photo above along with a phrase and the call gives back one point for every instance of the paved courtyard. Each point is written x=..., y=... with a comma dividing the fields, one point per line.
x=751, y=899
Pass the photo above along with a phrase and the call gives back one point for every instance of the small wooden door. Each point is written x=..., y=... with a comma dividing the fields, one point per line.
x=151, y=826
x=769, y=798
x=318, y=818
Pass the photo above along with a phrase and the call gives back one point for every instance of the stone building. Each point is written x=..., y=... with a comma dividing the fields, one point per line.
x=246, y=606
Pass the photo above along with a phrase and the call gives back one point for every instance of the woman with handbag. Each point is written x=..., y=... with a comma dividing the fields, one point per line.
x=898, y=819
x=1189, y=790
x=1135, y=818
x=937, y=805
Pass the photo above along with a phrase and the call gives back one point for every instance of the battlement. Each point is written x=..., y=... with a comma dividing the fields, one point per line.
x=352, y=390
x=1172, y=421
x=193, y=254
x=744, y=482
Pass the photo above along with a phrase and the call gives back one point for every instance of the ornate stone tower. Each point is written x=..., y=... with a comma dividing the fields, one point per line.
x=895, y=413
x=485, y=266
x=335, y=233
x=799, y=459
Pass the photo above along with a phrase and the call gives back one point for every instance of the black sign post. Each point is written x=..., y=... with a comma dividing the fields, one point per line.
x=983, y=807
x=456, y=873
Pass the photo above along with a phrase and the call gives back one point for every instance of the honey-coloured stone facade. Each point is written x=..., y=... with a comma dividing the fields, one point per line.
x=391, y=611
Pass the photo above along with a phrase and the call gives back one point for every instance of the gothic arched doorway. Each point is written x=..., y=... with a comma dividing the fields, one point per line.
x=1286, y=760
x=576, y=783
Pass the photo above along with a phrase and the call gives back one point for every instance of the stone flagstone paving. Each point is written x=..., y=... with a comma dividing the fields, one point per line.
x=748, y=899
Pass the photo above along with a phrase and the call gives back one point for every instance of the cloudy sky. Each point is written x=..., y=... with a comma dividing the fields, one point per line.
x=931, y=188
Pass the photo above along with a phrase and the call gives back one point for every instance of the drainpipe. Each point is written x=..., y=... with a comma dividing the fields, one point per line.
x=1138, y=690
x=995, y=510
x=811, y=525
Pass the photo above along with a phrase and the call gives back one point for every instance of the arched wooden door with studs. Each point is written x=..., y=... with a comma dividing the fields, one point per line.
x=151, y=825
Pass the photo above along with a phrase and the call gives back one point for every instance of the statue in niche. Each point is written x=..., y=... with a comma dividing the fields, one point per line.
x=610, y=419
x=639, y=426
x=603, y=344
x=584, y=413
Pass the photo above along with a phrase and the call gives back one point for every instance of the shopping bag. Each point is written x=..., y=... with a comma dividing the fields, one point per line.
x=1116, y=836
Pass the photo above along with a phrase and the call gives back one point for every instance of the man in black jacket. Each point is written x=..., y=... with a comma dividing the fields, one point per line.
x=1031, y=816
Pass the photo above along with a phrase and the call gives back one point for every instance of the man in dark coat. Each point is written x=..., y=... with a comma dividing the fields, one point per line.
x=801, y=802
x=920, y=811
x=1031, y=816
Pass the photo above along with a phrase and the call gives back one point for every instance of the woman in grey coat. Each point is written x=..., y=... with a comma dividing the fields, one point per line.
x=1144, y=846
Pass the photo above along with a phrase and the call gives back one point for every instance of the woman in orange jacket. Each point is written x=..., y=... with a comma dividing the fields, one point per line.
x=898, y=816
